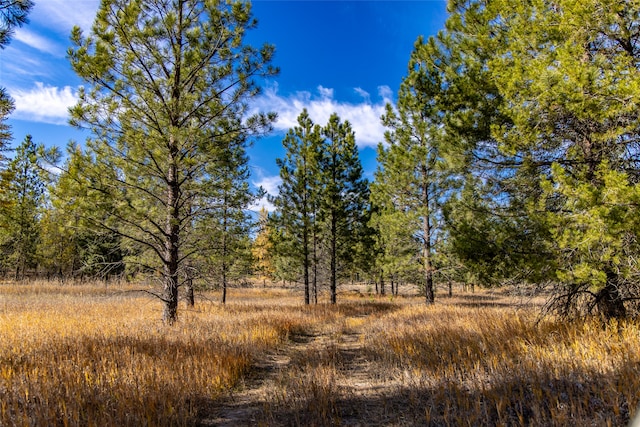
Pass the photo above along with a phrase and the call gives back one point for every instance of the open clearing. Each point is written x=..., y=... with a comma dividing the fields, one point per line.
x=96, y=355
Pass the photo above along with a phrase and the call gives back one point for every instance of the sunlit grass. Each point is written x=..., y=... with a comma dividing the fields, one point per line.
x=500, y=366
x=92, y=354
x=86, y=356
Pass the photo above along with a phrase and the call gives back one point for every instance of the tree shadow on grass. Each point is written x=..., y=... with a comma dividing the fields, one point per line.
x=488, y=301
x=478, y=297
x=529, y=398
x=117, y=381
x=366, y=308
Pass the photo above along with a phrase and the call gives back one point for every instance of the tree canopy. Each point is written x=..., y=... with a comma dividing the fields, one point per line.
x=537, y=102
x=168, y=86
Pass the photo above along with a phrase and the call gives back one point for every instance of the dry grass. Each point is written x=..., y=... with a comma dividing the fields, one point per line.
x=90, y=355
x=489, y=366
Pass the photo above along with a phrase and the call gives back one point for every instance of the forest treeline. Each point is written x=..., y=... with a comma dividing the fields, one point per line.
x=511, y=157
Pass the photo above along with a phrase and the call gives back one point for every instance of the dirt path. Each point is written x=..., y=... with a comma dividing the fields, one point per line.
x=246, y=406
x=313, y=378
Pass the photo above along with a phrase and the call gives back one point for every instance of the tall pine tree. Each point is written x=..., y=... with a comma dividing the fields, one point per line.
x=21, y=211
x=343, y=207
x=169, y=83
x=13, y=13
x=298, y=193
x=412, y=178
x=537, y=98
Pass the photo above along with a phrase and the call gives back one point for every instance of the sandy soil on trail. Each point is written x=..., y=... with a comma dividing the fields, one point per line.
x=266, y=397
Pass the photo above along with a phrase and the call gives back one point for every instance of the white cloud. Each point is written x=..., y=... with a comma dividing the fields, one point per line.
x=52, y=169
x=363, y=93
x=364, y=117
x=385, y=93
x=62, y=15
x=21, y=64
x=260, y=204
x=48, y=104
x=270, y=185
x=38, y=42
x=325, y=92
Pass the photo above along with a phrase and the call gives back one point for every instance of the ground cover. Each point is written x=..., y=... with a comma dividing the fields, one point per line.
x=96, y=355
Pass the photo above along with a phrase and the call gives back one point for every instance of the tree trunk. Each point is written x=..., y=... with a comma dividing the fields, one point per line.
x=426, y=236
x=315, y=263
x=382, y=291
x=224, y=251
x=224, y=283
x=315, y=281
x=428, y=273
x=609, y=301
x=171, y=261
x=334, y=255
x=188, y=290
x=170, y=312
x=305, y=254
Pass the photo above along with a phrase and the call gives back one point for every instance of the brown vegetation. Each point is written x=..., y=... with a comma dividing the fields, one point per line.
x=90, y=355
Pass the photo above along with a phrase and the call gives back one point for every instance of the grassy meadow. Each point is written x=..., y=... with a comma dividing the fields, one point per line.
x=83, y=355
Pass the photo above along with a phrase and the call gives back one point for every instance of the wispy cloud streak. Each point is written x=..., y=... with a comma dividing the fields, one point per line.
x=38, y=42
x=63, y=15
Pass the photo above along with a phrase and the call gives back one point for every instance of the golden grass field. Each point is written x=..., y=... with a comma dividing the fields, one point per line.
x=84, y=355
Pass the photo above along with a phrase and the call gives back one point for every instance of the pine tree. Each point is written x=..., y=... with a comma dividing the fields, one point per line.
x=322, y=202
x=298, y=193
x=573, y=116
x=343, y=204
x=13, y=13
x=228, y=223
x=80, y=216
x=22, y=208
x=169, y=85
x=413, y=178
x=536, y=99
x=7, y=105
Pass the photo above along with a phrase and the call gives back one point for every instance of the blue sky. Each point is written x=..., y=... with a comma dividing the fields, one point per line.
x=347, y=57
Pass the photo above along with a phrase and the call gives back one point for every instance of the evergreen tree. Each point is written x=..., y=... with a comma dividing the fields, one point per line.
x=322, y=203
x=22, y=208
x=262, y=248
x=169, y=85
x=92, y=244
x=343, y=206
x=225, y=220
x=298, y=193
x=536, y=99
x=397, y=251
x=13, y=13
x=413, y=178
x=6, y=108
x=491, y=185
x=286, y=263
x=572, y=116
